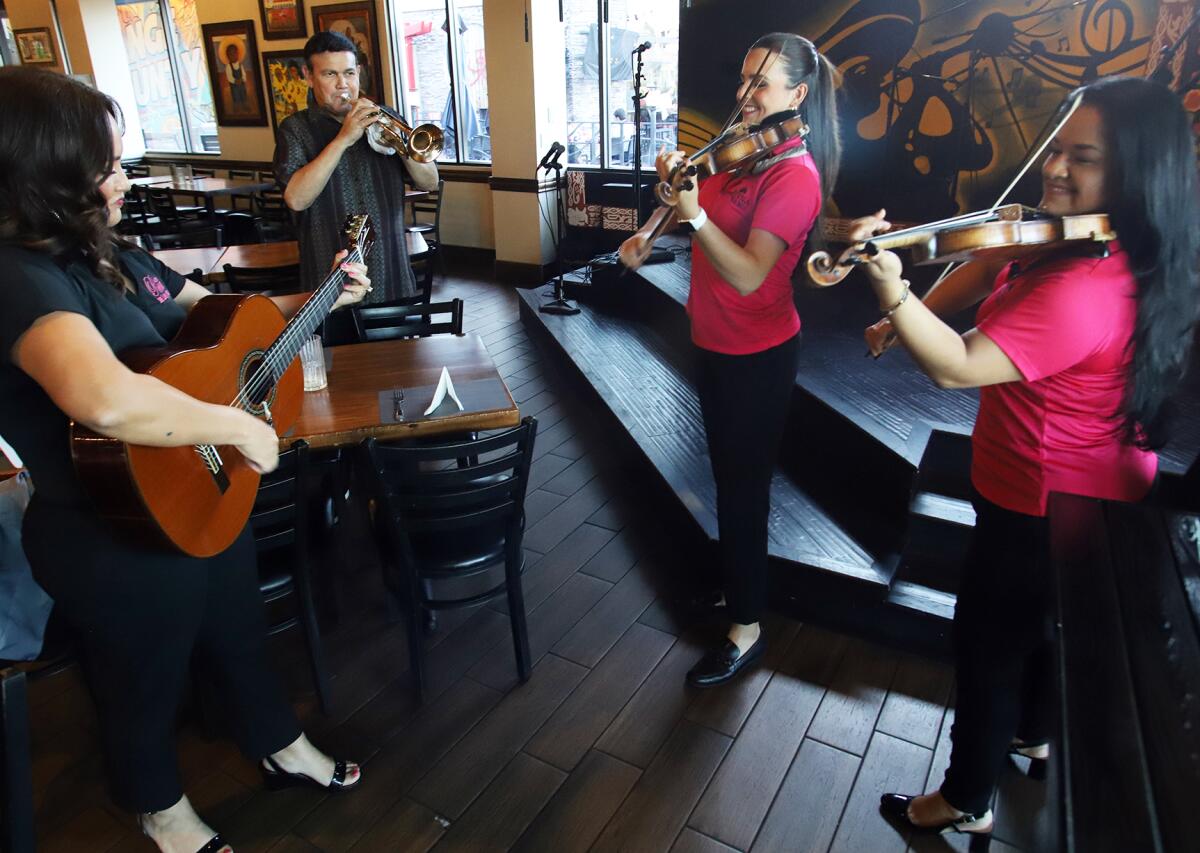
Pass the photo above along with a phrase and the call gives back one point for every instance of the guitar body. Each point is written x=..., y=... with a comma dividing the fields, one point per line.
x=170, y=497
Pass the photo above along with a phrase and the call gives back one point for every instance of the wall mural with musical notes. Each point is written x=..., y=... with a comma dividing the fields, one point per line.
x=941, y=99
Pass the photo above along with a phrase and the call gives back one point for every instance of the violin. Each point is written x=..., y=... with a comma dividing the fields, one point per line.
x=1004, y=233
x=738, y=148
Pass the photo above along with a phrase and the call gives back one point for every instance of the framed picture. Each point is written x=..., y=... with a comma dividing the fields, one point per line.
x=233, y=69
x=282, y=19
x=356, y=21
x=284, y=72
x=35, y=46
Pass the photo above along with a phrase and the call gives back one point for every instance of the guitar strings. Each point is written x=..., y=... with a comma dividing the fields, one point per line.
x=265, y=374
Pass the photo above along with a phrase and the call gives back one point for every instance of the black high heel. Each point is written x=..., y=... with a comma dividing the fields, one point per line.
x=1037, y=766
x=214, y=844
x=896, y=806
x=275, y=778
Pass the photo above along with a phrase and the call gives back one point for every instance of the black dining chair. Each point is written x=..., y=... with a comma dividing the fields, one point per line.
x=390, y=321
x=281, y=523
x=196, y=238
x=239, y=227
x=173, y=217
x=136, y=216
x=427, y=216
x=16, y=757
x=266, y=280
x=436, y=524
x=192, y=239
x=242, y=202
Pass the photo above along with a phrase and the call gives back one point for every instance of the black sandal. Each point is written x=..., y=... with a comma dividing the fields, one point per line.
x=896, y=806
x=215, y=844
x=1037, y=765
x=275, y=778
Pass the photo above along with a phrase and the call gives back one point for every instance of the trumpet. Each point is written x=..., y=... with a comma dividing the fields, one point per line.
x=422, y=143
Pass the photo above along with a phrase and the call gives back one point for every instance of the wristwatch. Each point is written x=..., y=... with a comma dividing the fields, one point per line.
x=695, y=223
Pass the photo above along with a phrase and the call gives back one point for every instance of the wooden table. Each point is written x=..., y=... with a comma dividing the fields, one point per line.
x=150, y=181
x=207, y=259
x=209, y=188
x=288, y=252
x=348, y=409
x=211, y=260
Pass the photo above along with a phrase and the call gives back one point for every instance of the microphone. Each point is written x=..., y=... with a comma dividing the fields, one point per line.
x=552, y=154
x=641, y=48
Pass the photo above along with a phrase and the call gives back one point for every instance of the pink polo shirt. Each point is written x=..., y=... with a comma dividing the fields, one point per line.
x=1067, y=325
x=783, y=200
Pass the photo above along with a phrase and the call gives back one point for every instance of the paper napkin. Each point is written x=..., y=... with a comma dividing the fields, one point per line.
x=445, y=386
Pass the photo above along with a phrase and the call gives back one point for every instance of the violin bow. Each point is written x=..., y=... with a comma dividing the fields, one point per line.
x=1030, y=159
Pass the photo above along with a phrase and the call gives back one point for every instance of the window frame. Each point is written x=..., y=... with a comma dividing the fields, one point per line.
x=191, y=146
x=606, y=155
x=395, y=21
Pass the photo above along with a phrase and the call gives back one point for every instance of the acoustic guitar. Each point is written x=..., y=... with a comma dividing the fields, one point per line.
x=232, y=350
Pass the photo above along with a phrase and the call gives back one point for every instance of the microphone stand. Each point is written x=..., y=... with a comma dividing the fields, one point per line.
x=639, y=95
x=558, y=303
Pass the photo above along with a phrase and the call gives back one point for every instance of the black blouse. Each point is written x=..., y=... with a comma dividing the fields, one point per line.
x=33, y=285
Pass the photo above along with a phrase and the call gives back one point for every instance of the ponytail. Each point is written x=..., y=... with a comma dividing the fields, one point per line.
x=803, y=64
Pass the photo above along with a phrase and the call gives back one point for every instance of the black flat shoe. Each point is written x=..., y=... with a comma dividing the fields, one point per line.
x=724, y=662
x=704, y=603
x=896, y=806
x=275, y=778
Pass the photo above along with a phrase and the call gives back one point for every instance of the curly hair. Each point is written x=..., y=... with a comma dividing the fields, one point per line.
x=56, y=150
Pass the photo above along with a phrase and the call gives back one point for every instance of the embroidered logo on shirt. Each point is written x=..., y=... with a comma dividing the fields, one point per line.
x=156, y=288
x=739, y=196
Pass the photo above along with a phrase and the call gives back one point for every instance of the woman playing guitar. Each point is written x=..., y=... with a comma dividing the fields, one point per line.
x=73, y=295
x=1076, y=353
x=749, y=229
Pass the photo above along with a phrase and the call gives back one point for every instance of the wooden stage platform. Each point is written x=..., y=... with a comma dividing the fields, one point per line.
x=869, y=516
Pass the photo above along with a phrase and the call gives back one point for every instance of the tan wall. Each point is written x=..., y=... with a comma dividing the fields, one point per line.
x=24, y=14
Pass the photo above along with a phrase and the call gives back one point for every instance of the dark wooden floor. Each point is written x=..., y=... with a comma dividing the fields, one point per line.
x=604, y=748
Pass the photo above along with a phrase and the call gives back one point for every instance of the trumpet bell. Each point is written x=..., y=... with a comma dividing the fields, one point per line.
x=425, y=143
x=422, y=143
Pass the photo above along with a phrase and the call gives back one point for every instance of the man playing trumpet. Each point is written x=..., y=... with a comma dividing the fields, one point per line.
x=329, y=168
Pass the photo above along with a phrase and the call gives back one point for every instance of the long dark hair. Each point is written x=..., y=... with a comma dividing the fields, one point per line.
x=1153, y=202
x=803, y=64
x=55, y=150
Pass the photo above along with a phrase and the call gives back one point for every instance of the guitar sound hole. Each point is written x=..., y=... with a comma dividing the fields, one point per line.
x=255, y=383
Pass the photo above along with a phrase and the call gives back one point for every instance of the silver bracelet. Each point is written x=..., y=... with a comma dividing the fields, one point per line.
x=887, y=312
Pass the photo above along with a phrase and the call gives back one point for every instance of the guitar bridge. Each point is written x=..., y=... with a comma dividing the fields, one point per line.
x=212, y=461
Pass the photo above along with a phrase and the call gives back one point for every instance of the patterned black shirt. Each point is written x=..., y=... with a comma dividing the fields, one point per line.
x=364, y=181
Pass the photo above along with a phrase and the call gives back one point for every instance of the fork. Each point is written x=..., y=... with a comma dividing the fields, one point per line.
x=398, y=404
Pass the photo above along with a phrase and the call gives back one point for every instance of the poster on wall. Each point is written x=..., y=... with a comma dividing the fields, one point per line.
x=35, y=46
x=282, y=19
x=939, y=100
x=356, y=21
x=233, y=70
x=284, y=71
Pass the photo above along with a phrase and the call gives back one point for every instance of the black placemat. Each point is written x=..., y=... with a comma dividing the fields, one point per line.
x=477, y=395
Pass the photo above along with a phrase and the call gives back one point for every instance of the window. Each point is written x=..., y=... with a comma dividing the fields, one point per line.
x=600, y=70
x=443, y=73
x=170, y=74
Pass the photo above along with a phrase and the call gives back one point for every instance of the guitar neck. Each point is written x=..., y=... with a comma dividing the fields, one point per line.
x=308, y=319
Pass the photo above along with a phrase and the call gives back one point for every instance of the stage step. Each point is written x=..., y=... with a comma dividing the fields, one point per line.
x=639, y=371
x=634, y=373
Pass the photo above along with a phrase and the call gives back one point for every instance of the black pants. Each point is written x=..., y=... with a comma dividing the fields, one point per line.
x=139, y=616
x=744, y=400
x=1003, y=651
